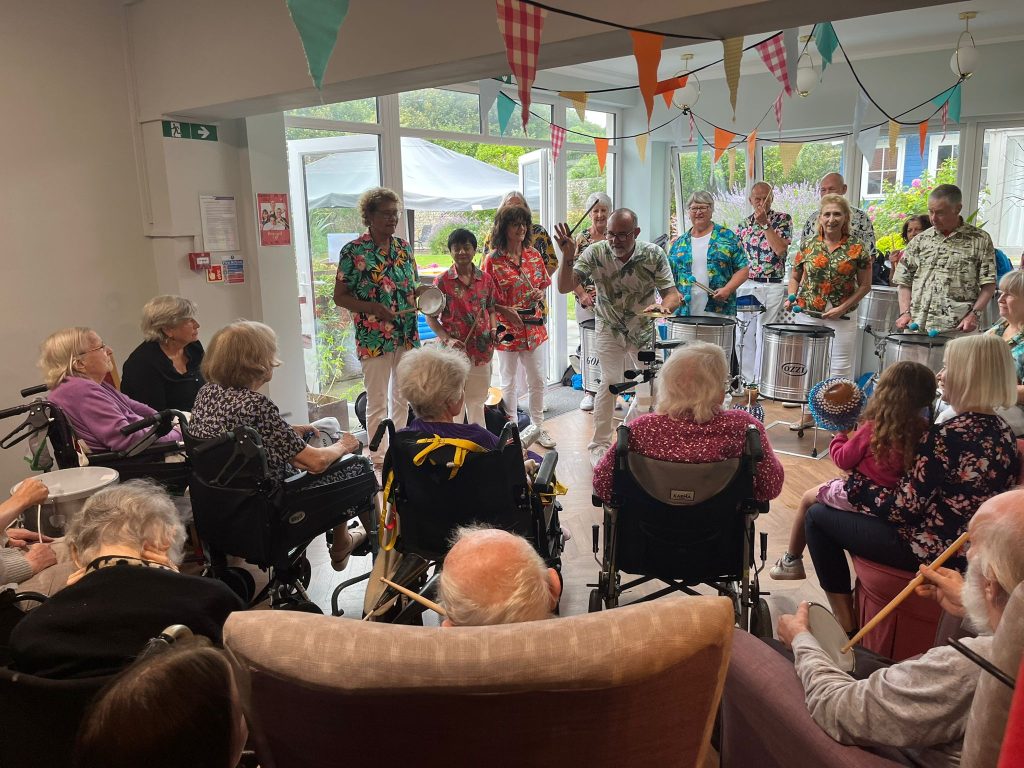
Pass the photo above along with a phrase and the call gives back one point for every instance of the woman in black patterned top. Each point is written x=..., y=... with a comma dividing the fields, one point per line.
x=241, y=358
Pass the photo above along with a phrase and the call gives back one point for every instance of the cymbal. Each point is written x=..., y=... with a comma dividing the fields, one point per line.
x=655, y=314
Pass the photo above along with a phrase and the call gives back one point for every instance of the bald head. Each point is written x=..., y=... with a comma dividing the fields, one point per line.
x=832, y=184
x=491, y=576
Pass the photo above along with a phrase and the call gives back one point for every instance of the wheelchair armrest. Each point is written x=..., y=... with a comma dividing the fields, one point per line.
x=546, y=473
x=754, y=448
x=157, y=451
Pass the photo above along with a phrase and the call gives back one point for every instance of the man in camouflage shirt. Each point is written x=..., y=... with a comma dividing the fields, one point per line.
x=948, y=273
x=626, y=274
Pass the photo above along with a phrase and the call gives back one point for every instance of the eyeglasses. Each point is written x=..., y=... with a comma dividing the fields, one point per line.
x=90, y=351
x=619, y=235
x=699, y=208
x=391, y=215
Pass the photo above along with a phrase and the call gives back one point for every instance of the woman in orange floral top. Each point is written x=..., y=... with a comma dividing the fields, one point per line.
x=831, y=274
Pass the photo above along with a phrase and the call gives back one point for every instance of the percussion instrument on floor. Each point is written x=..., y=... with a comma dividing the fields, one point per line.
x=794, y=358
x=878, y=310
x=830, y=636
x=69, y=489
x=917, y=347
x=715, y=329
x=590, y=362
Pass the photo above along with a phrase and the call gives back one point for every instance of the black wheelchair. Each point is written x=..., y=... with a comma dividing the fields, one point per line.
x=684, y=525
x=434, y=485
x=240, y=509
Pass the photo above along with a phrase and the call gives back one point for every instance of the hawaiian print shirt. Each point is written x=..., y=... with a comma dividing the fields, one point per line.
x=512, y=283
x=961, y=463
x=1016, y=343
x=725, y=259
x=945, y=274
x=829, y=278
x=583, y=241
x=469, y=312
x=540, y=242
x=763, y=260
x=861, y=229
x=388, y=278
x=624, y=290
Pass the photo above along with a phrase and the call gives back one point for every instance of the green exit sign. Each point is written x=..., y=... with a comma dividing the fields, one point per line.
x=174, y=129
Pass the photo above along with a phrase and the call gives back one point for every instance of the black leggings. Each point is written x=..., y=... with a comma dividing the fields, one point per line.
x=830, y=531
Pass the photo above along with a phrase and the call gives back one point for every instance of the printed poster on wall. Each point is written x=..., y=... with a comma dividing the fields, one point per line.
x=220, y=223
x=234, y=271
x=273, y=216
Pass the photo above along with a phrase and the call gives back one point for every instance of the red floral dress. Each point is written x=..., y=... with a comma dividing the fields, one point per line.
x=514, y=282
x=469, y=312
x=829, y=278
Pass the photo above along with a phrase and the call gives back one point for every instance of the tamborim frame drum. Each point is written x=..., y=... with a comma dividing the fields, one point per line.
x=431, y=301
x=916, y=347
x=830, y=636
x=794, y=359
x=715, y=329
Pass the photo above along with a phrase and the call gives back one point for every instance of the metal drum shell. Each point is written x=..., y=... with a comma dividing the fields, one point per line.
x=590, y=363
x=714, y=329
x=879, y=309
x=916, y=347
x=794, y=358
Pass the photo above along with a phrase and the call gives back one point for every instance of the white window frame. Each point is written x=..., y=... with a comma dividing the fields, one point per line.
x=901, y=154
x=933, y=149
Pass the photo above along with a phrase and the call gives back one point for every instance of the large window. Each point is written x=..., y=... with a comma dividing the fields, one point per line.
x=796, y=189
x=440, y=109
x=884, y=167
x=1001, y=196
x=358, y=111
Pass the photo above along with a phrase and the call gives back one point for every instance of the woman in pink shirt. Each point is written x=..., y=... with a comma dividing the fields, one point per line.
x=882, y=448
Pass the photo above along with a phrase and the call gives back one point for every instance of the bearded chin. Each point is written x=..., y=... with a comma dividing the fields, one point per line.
x=973, y=599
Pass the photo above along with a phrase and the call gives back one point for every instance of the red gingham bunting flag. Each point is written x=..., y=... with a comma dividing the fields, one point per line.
x=557, y=139
x=945, y=116
x=773, y=54
x=691, y=126
x=778, y=112
x=521, y=25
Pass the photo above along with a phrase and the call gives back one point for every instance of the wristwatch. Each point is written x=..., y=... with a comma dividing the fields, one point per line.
x=976, y=313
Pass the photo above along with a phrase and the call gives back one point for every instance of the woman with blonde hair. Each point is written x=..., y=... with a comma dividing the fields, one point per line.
x=690, y=426
x=958, y=465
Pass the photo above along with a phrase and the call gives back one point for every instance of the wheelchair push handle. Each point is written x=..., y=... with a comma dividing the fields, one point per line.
x=17, y=410
x=38, y=389
x=163, y=418
x=385, y=425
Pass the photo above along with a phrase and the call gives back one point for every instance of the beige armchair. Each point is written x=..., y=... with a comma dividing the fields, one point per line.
x=635, y=686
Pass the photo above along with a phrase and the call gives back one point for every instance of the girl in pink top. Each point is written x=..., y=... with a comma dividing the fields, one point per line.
x=882, y=448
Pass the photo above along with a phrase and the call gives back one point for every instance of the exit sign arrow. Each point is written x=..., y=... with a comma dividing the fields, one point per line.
x=173, y=129
x=204, y=132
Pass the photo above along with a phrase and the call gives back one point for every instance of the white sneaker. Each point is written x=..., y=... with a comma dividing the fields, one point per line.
x=788, y=568
x=597, y=453
x=587, y=403
x=546, y=440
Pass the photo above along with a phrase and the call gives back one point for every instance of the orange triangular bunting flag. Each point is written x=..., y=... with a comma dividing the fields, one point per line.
x=722, y=140
x=579, y=101
x=751, y=152
x=894, y=134
x=733, y=48
x=647, y=51
x=788, y=153
x=601, y=147
x=641, y=146
x=667, y=88
x=667, y=96
x=922, y=130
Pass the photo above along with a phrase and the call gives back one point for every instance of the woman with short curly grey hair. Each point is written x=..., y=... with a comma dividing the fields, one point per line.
x=164, y=370
x=127, y=543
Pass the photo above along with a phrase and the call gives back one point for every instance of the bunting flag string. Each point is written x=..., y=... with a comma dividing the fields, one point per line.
x=647, y=52
x=733, y=48
x=579, y=102
x=867, y=142
x=641, y=146
x=489, y=89
x=723, y=139
x=667, y=88
x=601, y=149
x=773, y=54
x=732, y=167
x=521, y=25
x=751, y=152
x=557, y=140
x=318, y=23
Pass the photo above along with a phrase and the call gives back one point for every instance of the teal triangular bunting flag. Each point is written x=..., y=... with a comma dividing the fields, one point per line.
x=941, y=99
x=954, y=105
x=505, y=109
x=826, y=41
x=318, y=22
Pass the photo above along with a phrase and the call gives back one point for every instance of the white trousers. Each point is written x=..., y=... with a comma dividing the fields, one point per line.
x=613, y=354
x=845, y=344
x=383, y=400
x=477, y=384
x=532, y=361
x=772, y=296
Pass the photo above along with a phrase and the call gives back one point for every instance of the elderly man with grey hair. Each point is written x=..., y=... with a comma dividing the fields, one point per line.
x=861, y=227
x=491, y=576
x=126, y=543
x=920, y=706
x=947, y=275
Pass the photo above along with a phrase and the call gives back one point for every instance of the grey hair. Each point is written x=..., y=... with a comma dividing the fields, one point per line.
x=1013, y=283
x=165, y=312
x=431, y=378
x=486, y=593
x=693, y=382
x=598, y=198
x=949, y=192
x=999, y=538
x=625, y=212
x=132, y=514
x=701, y=197
x=515, y=194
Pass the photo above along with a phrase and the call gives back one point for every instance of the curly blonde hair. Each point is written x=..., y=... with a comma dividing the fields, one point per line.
x=894, y=410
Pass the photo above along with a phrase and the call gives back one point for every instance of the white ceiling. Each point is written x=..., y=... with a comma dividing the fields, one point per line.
x=888, y=34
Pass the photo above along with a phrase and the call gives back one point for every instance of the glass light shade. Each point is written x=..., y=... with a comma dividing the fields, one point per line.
x=806, y=79
x=964, y=60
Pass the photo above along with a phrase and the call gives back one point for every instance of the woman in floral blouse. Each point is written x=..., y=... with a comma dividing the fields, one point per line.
x=832, y=273
x=960, y=463
x=1010, y=328
x=520, y=278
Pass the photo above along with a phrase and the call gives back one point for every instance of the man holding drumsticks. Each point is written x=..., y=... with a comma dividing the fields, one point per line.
x=626, y=274
x=921, y=705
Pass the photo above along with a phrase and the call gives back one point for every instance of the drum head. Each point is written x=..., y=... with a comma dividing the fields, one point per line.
x=431, y=301
x=919, y=339
x=716, y=320
x=799, y=329
x=830, y=636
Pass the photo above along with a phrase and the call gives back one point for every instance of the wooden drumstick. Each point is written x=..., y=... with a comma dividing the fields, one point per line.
x=703, y=287
x=573, y=230
x=415, y=596
x=914, y=583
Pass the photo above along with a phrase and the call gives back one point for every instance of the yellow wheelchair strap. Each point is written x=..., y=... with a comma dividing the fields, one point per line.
x=462, y=448
x=385, y=535
x=557, y=489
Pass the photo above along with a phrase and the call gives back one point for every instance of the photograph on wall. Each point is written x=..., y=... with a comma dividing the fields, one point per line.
x=273, y=216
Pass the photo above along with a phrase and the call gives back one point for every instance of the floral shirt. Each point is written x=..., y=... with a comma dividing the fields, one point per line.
x=945, y=274
x=624, y=290
x=540, y=242
x=389, y=279
x=960, y=464
x=512, y=283
x=763, y=260
x=1016, y=347
x=583, y=241
x=829, y=278
x=725, y=259
x=469, y=312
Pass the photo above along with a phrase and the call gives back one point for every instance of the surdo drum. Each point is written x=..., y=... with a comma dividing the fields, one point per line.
x=878, y=310
x=916, y=347
x=794, y=359
x=710, y=328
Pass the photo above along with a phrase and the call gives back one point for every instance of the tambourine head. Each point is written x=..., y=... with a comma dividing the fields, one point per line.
x=431, y=302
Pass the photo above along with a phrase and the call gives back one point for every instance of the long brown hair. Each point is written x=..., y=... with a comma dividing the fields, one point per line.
x=895, y=410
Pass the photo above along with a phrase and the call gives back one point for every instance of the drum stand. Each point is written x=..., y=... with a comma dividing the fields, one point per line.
x=740, y=382
x=881, y=341
x=799, y=433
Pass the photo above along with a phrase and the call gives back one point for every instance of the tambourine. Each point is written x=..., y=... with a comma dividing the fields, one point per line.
x=431, y=301
x=830, y=636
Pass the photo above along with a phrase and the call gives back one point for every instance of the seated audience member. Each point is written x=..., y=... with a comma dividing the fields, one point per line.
x=75, y=362
x=491, y=576
x=920, y=706
x=178, y=707
x=689, y=424
x=1010, y=328
x=127, y=543
x=241, y=359
x=23, y=553
x=959, y=464
x=164, y=370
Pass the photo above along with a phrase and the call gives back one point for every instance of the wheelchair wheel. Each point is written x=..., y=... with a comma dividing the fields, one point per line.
x=240, y=581
x=595, y=601
x=303, y=606
x=305, y=571
x=761, y=620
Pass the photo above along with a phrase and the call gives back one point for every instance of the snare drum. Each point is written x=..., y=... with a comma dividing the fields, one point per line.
x=879, y=310
x=793, y=359
x=590, y=362
x=830, y=636
x=715, y=329
x=916, y=347
x=431, y=301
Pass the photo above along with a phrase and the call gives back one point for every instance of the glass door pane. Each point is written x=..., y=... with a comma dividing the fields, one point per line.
x=1001, y=199
x=796, y=190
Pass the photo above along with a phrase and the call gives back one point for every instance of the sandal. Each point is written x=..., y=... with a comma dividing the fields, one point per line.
x=340, y=558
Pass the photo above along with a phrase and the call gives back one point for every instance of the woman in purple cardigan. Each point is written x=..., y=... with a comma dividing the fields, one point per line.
x=75, y=362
